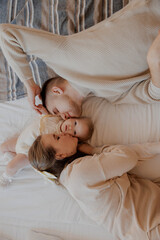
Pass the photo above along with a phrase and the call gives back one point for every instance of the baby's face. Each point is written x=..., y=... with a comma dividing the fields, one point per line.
x=76, y=127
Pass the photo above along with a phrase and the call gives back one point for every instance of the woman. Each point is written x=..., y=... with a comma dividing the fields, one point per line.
x=126, y=205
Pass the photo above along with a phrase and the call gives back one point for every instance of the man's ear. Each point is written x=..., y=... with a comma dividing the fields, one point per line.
x=57, y=90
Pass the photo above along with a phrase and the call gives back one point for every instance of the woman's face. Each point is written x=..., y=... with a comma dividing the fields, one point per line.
x=65, y=145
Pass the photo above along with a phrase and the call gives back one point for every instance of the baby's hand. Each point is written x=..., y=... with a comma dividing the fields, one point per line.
x=5, y=180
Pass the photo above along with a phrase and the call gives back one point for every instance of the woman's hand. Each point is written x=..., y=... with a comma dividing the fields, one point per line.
x=34, y=90
x=85, y=148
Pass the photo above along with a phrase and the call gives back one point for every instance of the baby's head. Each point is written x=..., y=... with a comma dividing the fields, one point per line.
x=78, y=127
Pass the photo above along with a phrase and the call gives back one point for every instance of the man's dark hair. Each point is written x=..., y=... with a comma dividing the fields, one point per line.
x=45, y=87
x=44, y=91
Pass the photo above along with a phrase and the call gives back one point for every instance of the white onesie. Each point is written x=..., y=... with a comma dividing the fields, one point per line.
x=42, y=125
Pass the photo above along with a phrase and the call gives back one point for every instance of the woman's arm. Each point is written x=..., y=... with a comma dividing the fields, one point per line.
x=116, y=160
x=107, y=163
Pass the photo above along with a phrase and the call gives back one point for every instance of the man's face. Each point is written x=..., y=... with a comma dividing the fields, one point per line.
x=62, y=105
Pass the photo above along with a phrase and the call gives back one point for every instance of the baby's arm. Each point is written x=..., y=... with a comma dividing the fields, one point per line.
x=18, y=162
x=20, y=146
x=9, y=145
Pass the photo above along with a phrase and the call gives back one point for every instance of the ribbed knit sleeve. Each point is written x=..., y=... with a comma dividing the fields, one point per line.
x=17, y=42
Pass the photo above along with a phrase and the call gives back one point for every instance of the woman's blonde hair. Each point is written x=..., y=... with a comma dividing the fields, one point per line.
x=43, y=159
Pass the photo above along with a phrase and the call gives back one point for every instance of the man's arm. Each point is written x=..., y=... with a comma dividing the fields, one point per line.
x=17, y=42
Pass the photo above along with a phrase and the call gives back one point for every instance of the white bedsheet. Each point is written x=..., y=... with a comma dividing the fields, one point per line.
x=33, y=208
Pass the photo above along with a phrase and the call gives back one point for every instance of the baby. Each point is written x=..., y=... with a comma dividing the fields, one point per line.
x=47, y=124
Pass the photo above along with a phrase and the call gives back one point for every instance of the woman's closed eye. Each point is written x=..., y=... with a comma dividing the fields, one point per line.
x=56, y=137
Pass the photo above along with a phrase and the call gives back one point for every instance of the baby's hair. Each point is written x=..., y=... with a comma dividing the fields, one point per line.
x=46, y=85
x=43, y=159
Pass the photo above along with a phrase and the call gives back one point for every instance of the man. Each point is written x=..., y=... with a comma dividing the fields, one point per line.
x=108, y=59
x=61, y=98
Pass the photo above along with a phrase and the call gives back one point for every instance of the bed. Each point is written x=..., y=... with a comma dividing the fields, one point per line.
x=32, y=207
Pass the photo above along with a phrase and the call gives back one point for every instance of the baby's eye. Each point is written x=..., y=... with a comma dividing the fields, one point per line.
x=58, y=137
x=55, y=111
x=75, y=123
x=75, y=133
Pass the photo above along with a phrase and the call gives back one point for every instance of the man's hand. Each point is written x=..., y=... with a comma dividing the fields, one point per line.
x=34, y=90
